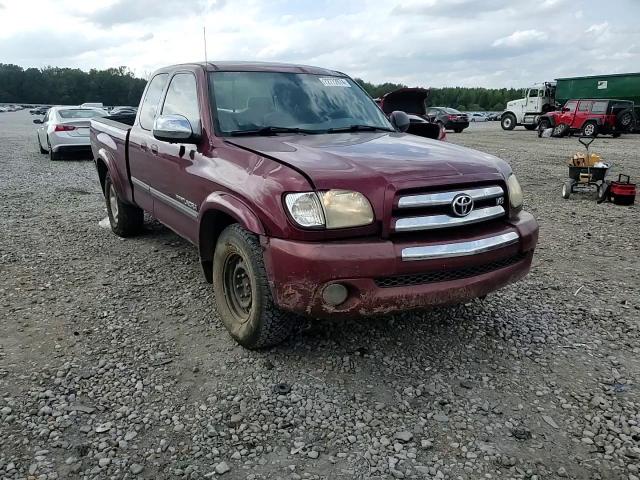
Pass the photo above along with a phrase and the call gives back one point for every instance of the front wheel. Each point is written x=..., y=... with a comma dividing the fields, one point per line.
x=508, y=121
x=542, y=126
x=126, y=220
x=242, y=293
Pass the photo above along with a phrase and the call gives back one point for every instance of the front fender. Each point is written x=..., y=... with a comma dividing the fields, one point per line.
x=235, y=208
x=550, y=118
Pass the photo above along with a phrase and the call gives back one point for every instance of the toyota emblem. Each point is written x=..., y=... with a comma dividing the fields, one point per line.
x=462, y=205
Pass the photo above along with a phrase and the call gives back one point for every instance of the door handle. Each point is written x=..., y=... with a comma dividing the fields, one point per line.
x=154, y=148
x=143, y=145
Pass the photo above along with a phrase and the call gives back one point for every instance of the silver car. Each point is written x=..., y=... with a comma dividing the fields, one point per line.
x=66, y=129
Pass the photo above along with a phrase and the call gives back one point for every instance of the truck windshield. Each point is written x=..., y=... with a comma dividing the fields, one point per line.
x=273, y=102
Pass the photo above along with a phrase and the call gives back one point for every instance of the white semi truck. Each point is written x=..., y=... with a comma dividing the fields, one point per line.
x=538, y=99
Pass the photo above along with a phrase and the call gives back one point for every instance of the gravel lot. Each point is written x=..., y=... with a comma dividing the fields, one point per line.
x=113, y=364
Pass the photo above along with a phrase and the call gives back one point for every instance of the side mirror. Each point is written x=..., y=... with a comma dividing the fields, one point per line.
x=174, y=129
x=38, y=121
x=400, y=120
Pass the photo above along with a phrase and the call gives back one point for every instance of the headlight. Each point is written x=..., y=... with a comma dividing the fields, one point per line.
x=515, y=192
x=329, y=209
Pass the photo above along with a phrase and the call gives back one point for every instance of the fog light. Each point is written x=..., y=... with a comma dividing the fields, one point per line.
x=335, y=294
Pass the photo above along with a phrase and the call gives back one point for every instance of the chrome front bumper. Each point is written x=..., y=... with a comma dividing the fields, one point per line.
x=459, y=249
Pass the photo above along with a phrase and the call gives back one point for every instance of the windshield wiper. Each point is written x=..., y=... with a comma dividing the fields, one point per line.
x=269, y=131
x=359, y=128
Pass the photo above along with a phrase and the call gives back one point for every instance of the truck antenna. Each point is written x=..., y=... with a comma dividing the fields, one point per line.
x=204, y=36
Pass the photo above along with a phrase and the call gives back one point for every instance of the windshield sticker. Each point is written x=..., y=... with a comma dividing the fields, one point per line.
x=334, y=82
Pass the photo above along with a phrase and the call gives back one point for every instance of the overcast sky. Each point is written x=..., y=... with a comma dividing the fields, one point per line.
x=491, y=43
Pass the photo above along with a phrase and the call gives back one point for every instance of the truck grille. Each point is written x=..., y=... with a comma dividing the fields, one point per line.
x=448, y=209
x=446, y=275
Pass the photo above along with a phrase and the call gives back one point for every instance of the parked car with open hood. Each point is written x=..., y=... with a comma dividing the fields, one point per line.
x=302, y=198
x=412, y=102
x=65, y=129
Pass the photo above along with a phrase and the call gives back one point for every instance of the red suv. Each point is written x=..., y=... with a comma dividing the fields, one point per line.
x=590, y=118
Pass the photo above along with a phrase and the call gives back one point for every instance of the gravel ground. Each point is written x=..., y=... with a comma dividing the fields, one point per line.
x=114, y=365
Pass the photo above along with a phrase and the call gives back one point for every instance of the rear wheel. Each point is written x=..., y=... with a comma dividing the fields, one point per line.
x=242, y=293
x=53, y=156
x=126, y=220
x=590, y=129
x=624, y=120
x=42, y=150
x=566, y=189
x=508, y=121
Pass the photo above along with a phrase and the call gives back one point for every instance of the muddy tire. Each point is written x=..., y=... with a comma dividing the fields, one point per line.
x=126, y=220
x=508, y=121
x=590, y=129
x=242, y=293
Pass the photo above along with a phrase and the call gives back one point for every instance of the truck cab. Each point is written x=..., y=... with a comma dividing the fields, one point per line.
x=303, y=198
x=538, y=99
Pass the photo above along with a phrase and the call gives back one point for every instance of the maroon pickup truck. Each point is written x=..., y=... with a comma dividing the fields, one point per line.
x=302, y=197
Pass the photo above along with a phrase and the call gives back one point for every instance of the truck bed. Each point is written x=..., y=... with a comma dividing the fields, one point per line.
x=114, y=125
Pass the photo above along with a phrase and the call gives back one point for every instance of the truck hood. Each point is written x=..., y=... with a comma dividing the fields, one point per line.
x=397, y=159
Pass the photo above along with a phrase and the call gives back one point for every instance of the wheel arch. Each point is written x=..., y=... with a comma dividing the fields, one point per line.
x=105, y=164
x=217, y=212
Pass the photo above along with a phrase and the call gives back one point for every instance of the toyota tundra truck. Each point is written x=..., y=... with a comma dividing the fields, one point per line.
x=304, y=198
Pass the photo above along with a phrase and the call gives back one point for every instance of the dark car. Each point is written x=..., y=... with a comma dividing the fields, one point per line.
x=590, y=117
x=302, y=197
x=449, y=118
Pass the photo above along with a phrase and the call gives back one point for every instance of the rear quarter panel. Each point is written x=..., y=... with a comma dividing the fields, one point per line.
x=108, y=145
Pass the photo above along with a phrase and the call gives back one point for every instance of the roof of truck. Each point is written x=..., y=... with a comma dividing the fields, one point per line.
x=236, y=66
x=601, y=76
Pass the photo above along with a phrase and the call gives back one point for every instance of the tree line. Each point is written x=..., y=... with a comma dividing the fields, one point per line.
x=118, y=86
x=461, y=98
x=69, y=86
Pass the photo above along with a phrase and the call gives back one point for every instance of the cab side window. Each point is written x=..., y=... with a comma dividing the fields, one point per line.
x=151, y=99
x=570, y=106
x=182, y=99
x=584, y=106
x=599, y=107
x=533, y=93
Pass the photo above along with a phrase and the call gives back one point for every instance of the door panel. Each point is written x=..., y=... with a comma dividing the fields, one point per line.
x=174, y=202
x=567, y=117
x=143, y=167
x=582, y=113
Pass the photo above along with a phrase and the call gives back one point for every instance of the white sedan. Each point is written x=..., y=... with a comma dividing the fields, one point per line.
x=477, y=117
x=66, y=129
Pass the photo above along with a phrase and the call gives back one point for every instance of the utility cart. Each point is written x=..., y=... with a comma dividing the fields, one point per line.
x=584, y=175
